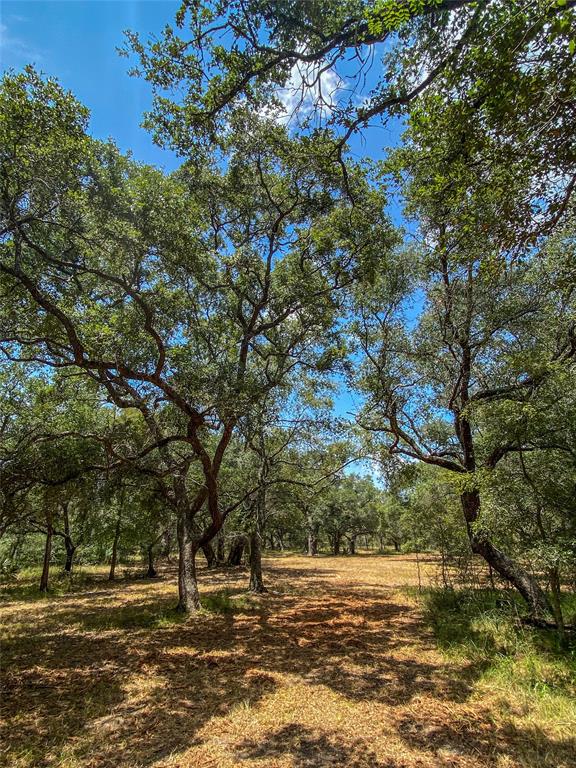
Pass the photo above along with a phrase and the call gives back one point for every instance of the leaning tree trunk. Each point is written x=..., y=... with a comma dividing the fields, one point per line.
x=504, y=565
x=189, y=597
x=47, y=554
x=210, y=555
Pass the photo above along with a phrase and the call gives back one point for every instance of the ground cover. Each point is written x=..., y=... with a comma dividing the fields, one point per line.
x=341, y=663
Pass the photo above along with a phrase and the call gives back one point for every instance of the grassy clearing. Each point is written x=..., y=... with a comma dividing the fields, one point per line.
x=337, y=665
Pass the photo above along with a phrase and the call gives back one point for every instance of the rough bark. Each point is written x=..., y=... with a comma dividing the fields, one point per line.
x=188, y=596
x=352, y=545
x=114, y=558
x=256, y=580
x=236, y=551
x=504, y=565
x=44, y=578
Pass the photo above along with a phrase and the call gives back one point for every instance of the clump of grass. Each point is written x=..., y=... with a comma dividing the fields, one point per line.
x=225, y=602
x=525, y=667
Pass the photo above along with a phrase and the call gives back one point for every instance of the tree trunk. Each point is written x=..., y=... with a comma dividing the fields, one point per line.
x=189, y=598
x=47, y=554
x=114, y=558
x=220, y=547
x=312, y=544
x=70, y=550
x=336, y=543
x=396, y=545
x=352, y=546
x=68, y=543
x=210, y=555
x=151, y=572
x=236, y=550
x=167, y=545
x=256, y=581
x=507, y=568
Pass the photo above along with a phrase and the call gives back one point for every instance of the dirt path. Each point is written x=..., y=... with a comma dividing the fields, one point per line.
x=332, y=668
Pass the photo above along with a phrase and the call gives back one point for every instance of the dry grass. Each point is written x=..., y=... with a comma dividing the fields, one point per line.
x=333, y=667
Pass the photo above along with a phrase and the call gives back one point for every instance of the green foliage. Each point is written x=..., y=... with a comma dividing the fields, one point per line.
x=177, y=311
x=349, y=508
x=389, y=15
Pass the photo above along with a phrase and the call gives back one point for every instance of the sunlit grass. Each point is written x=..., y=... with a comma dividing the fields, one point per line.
x=531, y=672
x=24, y=585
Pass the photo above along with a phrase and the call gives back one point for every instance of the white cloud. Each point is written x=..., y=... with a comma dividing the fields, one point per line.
x=311, y=89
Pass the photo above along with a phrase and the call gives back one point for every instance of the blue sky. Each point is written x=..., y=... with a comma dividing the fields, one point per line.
x=75, y=41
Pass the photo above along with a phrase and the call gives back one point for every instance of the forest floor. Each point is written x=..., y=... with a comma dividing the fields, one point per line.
x=334, y=666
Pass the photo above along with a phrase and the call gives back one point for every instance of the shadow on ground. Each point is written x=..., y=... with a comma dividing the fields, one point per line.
x=113, y=678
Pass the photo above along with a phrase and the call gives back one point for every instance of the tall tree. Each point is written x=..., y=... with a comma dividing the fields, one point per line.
x=342, y=65
x=186, y=299
x=472, y=318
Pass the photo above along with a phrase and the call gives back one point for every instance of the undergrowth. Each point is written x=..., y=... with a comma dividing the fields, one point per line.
x=530, y=671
